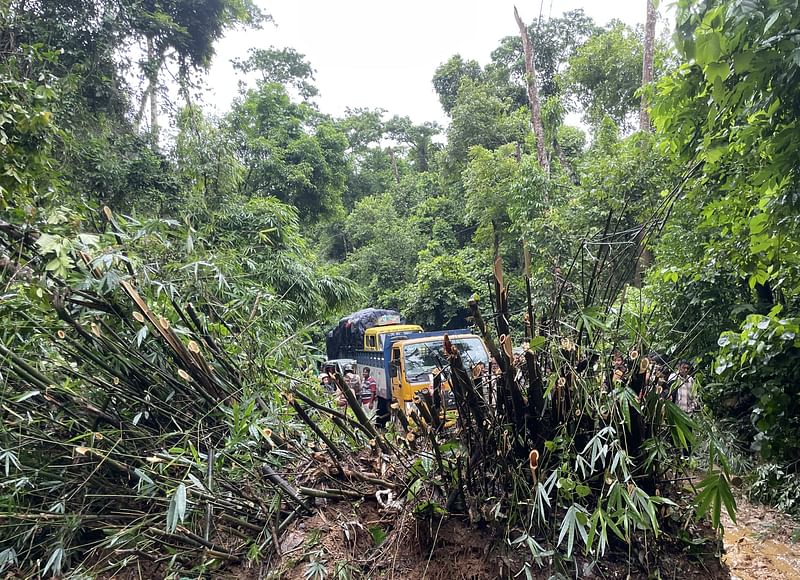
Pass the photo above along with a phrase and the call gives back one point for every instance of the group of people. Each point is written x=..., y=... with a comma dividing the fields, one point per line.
x=363, y=387
x=676, y=384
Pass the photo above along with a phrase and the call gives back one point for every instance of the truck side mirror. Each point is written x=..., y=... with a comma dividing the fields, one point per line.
x=393, y=369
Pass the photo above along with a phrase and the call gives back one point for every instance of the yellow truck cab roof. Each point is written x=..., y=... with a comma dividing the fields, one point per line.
x=372, y=337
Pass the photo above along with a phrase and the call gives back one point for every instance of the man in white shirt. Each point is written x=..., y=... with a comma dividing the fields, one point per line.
x=682, y=388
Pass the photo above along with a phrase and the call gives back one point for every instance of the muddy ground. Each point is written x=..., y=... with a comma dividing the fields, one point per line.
x=339, y=542
x=763, y=543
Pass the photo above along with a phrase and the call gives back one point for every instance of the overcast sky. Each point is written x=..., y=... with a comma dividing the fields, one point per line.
x=369, y=53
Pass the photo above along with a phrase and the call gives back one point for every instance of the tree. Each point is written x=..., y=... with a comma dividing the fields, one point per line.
x=418, y=137
x=480, y=117
x=734, y=110
x=385, y=247
x=647, y=63
x=210, y=173
x=179, y=26
x=553, y=42
x=28, y=132
x=285, y=66
x=290, y=151
x=437, y=298
x=605, y=73
x=369, y=165
x=730, y=112
x=447, y=79
x=533, y=95
x=261, y=240
x=488, y=180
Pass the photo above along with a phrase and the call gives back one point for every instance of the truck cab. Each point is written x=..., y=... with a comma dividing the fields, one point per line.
x=412, y=359
x=373, y=354
x=375, y=337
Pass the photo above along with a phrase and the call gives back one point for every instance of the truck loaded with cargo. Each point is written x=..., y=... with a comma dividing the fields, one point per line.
x=402, y=358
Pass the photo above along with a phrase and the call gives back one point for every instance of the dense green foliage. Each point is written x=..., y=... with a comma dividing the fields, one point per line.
x=274, y=219
x=732, y=110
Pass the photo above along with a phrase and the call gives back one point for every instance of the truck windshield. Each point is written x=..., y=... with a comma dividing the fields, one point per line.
x=422, y=357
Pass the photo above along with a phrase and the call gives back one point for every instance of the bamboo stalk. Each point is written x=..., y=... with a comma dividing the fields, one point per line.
x=278, y=481
x=332, y=448
x=336, y=494
x=360, y=415
x=195, y=540
x=243, y=523
x=332, y=412
x=210, y=487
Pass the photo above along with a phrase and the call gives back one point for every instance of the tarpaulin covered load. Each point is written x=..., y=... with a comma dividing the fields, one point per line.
x=348, y=336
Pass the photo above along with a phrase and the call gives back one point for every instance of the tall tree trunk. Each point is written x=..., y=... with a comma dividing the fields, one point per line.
x=394, y=164
x=644, y=257
x=422, y=159
x=647, y=63
x=142, y=103
x=153, y=90
x=533, y=94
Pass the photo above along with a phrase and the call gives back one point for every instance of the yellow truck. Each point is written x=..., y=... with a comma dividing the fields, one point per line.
x=404, y=361
x=402, y=357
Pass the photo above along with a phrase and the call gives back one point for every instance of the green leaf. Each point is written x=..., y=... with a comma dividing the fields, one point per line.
x=48, y=243
x=537, y=342
x=715, y=492
x=742, y=62
x=25, y=396
x=378, y=534
x=708, y=48
x=89, y=240
x=772, y=20
x=714, y=154
x=575, y=520
x=758, y=222
x=54, y=562
x=715, y=71
x=177, y=508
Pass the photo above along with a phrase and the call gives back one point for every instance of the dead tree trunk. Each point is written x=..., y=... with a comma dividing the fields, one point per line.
x=643, y=256
x=151, y=68
x=153, y=92
x=647, y=63
x=394, y=164
x=533, y=94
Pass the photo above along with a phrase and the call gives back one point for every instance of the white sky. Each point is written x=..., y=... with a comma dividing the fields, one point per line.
x=372, y=53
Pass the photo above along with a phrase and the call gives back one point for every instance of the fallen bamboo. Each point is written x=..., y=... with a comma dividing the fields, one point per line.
x=284, y=485
x=336, y=494
x=354, y=404
x=332, y=412
x=331, y=446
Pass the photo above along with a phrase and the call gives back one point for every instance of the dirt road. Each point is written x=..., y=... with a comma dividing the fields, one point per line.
x=760, y=545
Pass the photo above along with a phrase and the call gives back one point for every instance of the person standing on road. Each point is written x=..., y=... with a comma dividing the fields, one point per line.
x=352, y=380
x=384, y=395
x=682, y=389
x=683, y=396
x=369, y=388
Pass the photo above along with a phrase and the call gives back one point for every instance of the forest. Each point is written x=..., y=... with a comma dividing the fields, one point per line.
x=168, y=276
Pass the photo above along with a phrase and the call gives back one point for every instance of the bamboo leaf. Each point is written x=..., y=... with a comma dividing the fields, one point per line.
x=54, y=562
x=26, y=396
x=177, y=508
